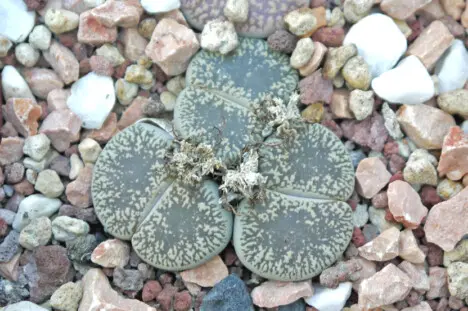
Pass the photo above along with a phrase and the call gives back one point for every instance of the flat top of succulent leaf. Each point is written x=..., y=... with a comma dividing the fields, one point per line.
x=265, y=16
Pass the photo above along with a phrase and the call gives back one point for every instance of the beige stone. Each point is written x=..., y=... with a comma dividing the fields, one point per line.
x=384, y=247
x=459, y=253
x=464, y=17
x=433, y=10
x=447, y=221
x=134, y=44
x=453, y=8
x=431, y=43
x=454, y=102
x=42, y=81
x=371, y=177
x=409, y=248
x=454, y=159
x=118, y=13
x=272, y=294
x=171, y=46
x=340, y=104
x=57, y=99
x=63, y=61
x=319, y=53
x=111, y=253
x=368, y=269
x=336, y=58
x=387, y=286
x=207, y=274
x=402, y=9
x=92, y=32
x=98, y=295
x=426, y=126
x=405, y=204
x=417, y=275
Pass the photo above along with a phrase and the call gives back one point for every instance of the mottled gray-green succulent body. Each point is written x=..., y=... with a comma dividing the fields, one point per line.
x=300, y=228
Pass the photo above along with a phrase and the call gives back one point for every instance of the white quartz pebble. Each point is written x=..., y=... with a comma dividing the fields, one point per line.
x=16, y=22
x=330, y=299
x=379, y=41
x=408, y=83
x=452, y=68
x=14, y=85
x=160, y=6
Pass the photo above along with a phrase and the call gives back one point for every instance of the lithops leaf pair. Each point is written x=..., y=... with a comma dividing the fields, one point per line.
x=264, y=17
x=300, y=228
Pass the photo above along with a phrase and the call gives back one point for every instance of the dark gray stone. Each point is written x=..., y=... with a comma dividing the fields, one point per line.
x=228, y=295
x=9, y=246
x=61, y=165
x=13, y=292
x=80, y=249
x=128, y=279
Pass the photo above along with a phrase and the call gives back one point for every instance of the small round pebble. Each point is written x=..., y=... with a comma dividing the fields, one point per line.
x=67, y=297
x=176, y=84
x=31, y=176
x=66, y=228
x=36, y=146
x=60, y=21
x=48, y=183
x=38, y=232
x=237, y=11
x=282, y=41
x=169, y=100
x=26, y=54
x=125, y=91
x=354, y=10
x=219, y=36
x=89, y=150
x=357, y=73
x=146, y=27
x=447, y=188
x=361, y=103
x=40, y=37
x=302, y=53
x=14, y=173
x=76, y=165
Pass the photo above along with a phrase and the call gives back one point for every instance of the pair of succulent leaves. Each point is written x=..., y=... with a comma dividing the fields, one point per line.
x=301, y=227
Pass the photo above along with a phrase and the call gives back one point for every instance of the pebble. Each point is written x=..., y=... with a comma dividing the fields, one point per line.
x=327, y=299
x=454, y=102
x=9, y=246
x=237, y=11
x=315, y=88
x=11, y=150
x=219, y=36
x=150, y=291
x=32, y=207
x=371, y=177
x=387, y=286
x=272, y=294
x=405, y=204
x=10, y=270
x=14, y=85
x=447, y=188
x=38, y=232
x=14, y=173
x=341, y=272
x=420, y=168
x=283, y=41
x=42, y=81
x=57, y=99
x=17, y=21
x=360, y=215
x=409, y=248
x=26, y=55
x=125, y=91
x=5, y=46
x=111, y=53
x=98, y=292
x=417, y=275
x=63, y=61
x=401, y=9
x=76, y=165
x=134, y=44
x=23, y=113
x=357, y=73
x=454, y=8
x=182, y=301
x=49, y=184
x=319, y=53
x=355, y=10
x=127, y=279
x=67, y=297
x=457, y=279
x=229, y=294
x=340, y=104
x=459, y=253
x=453, y=162
x=66, y=228
x=89, y=150
x=379, y=41
x=301, y=22
x=451, y=69
x=113, y=13
x=426, y=126
x=176, y=85
x=384, y=247
x=133, y=113
x=39, y=166
x=139, y=75
x=336, y=58
x=162, y=6
x=111, y=253
x=78, y=192
x=171, y=46
x=447, y=223
x=81, y=248
x=40, y=37
x=408, y=83
x=437, y=283
x=90, y=31
x=391, y=122
x=49, y=268
x=361, y=103
x=431, y=44
x=207, y=274
x=61, y=127
x=302, y=54
x=169, y=100
x=7, y=215
x=92, y=99
x=24, y=305
x=60, y=21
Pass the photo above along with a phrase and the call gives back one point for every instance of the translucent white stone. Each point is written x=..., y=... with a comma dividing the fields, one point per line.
x=452, y=68
x=16, y=22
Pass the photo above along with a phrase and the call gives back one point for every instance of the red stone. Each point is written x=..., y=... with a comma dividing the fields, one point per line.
x=329, y=36
x=101, y=65
x=358, y=237
x=165, y=297
x=315, y=88
x=429, y=196
x=92, y=32
x=3, y=228
x=151, y=289
x=182, y=301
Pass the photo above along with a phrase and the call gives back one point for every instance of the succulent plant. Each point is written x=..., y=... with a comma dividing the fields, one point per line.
x=265, y=16
x=299, y=228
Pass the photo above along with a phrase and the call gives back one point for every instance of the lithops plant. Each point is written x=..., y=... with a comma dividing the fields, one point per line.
x=300, y=226
x=265, y=16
